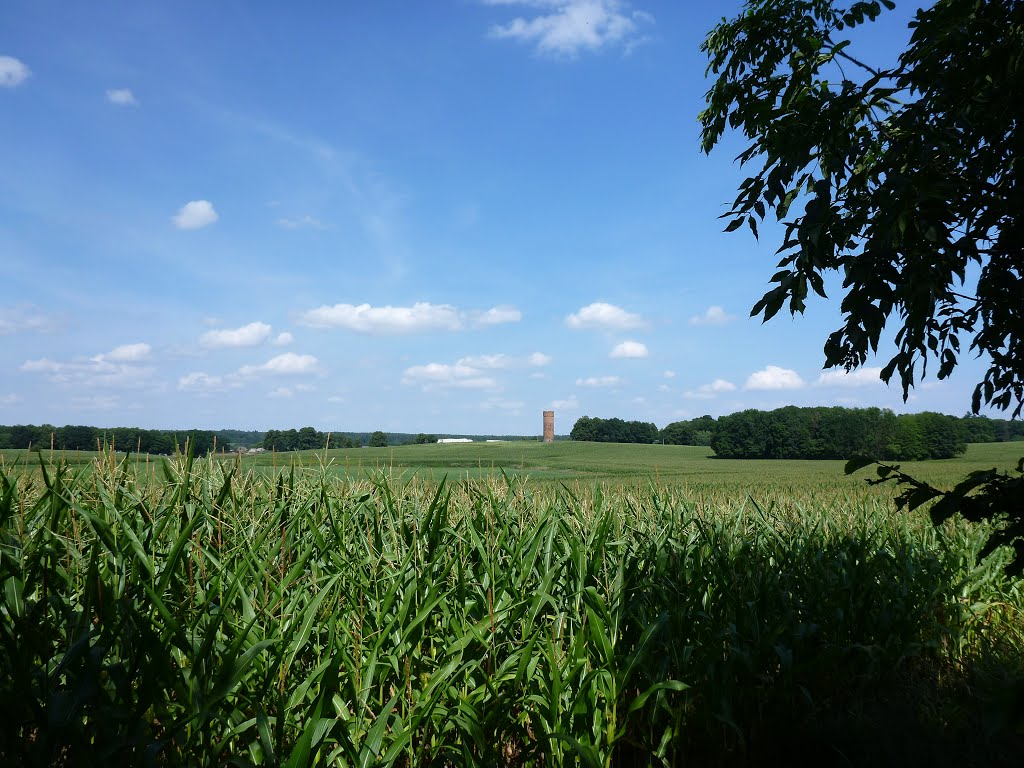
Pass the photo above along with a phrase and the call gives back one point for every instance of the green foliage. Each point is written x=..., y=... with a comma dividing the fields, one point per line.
x=593, y=429
x=378, y=440
x=697, y=431
x=908, y=173
x=207, y=616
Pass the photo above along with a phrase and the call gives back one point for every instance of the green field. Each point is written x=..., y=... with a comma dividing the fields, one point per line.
x=571, y=462
x=566, y=604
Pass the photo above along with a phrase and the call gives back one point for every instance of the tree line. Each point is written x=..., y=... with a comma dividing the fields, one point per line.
x=84, y=438
x=813, y=433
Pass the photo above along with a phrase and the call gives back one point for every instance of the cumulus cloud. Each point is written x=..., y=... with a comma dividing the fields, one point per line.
x=420, y=317
x=126, y=353
x=195, y=215
x=539, y=359
x=862, y=377
x=283, y=339
x=709, y=391
x=13, y=72
x=629, y=349
x=566, y=27
x=25, y=319
x=288, y=364
x=773, y=377
x=251, y=335
x=122, y=97
x=713, y=315
x=441, y=375
x=602, y=315
x=598, y=381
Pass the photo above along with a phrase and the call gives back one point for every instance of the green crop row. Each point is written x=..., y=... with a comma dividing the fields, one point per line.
x=298, y=617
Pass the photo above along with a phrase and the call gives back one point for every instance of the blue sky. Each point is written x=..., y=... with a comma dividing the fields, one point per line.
x=437, y=216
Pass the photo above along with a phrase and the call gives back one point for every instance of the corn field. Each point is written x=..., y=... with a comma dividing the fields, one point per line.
x=210, y=615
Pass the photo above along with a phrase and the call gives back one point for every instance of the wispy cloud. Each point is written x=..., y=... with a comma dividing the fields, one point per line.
x=25, y=319
x=566, y=27
x=122, y=97
x=441, y=375
x=13, y=72
x=607, y=316
x=713, y=315
x=773, y=377
x=195, y=215
x=251, y=335
x=283, y=339
x=709, y=391
x=568, y=404
x=502, y=361
x=118, y=368
x=419, y=318
x=629, y=350
x=301, y=222
x=598, y=381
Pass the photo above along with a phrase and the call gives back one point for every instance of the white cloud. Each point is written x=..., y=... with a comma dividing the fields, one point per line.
x=198, y=381
x=502, y=361
x=111, y=369
x=709, y=391
x=25, y=319
x=496, y=316
x=862, y=377
x=669, y=374
x=281, y=392
x=598, y=381
x=629, y=349
x=283, y=339
x=121, y=97
x=713, y=315
x=421, y=316
x=441, y=375
x=288, y=364
x=774, y=377
x=335, y=399
x=601, y=315
x=491, y=362
x=569, y=404
x=251, y=335
x=42, y=365
x=195, y=215
x=12, y=72
x=126, y=353
x=10, y=399
x=565, y=27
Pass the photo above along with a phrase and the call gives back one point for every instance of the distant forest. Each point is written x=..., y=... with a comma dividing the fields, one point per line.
x=813, y=433
x=167, y=442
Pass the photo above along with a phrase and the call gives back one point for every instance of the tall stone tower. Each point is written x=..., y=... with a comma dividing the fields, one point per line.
x=549, y=426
